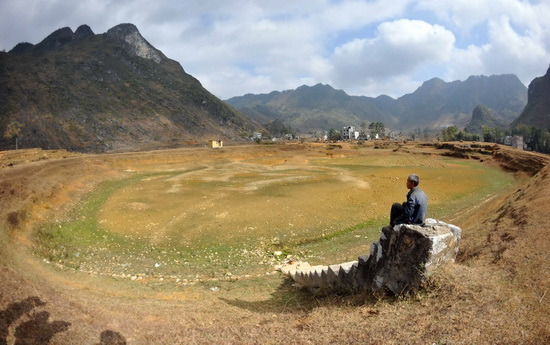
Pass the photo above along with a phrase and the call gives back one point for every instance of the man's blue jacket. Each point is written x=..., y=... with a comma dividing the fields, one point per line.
x=416, y=207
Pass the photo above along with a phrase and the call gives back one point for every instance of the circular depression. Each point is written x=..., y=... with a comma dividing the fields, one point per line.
x=236, y=218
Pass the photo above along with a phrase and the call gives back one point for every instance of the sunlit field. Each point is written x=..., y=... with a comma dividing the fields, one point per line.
x=183, y=245
x=228, y=216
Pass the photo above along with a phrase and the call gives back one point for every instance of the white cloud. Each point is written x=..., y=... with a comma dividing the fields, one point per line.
x=466, y=14
x=285, y=42
x=399, y=48
x=517, y=36
x=507, y=52
x=240, y=46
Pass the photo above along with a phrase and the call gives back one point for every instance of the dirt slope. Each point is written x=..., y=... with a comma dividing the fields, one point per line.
x=497, y=292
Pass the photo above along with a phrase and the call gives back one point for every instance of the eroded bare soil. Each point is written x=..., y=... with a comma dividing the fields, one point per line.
x=495, y=293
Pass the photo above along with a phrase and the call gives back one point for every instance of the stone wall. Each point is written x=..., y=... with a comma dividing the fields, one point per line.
x=402, y=259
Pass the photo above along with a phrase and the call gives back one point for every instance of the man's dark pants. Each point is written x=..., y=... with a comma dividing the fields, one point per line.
x=396, y=213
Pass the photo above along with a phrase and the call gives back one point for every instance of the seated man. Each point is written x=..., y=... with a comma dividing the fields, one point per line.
x=415, y=209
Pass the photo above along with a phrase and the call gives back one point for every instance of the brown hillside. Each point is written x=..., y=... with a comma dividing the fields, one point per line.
x=113, y=91
x=496, y=293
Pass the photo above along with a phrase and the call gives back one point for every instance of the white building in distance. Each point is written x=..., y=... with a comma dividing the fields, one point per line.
x=349, y=133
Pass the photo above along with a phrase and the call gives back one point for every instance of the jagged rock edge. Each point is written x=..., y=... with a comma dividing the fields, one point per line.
x=367, y=275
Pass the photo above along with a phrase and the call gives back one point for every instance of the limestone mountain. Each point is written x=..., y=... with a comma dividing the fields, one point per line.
x=442, y=104
x=113, y=91
x=434, y=105
x=311, y=108
x=537, y=110
x=482, y=116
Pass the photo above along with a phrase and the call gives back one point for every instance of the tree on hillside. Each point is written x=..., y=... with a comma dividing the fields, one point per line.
x=334, y=134
x=421, y=133
x=449, y=133
x=493, y=134
x=536, y=138
x=13, y=130
x=363, y=133
x=377, y=129
x=452, y=133
x=278, y=128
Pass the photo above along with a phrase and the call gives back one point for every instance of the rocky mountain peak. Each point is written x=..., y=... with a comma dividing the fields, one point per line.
x=482, y=116
x=56, y=39
x=434, y=84
x=537, y=111
x=21, y=48
x=83, y=31
x=481, y=113
x=120, y=31
x=128, y=35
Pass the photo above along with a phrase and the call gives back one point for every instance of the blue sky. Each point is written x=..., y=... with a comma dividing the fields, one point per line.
x=362, y=47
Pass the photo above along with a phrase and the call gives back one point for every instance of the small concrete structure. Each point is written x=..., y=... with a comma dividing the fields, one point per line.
x=349, y=133
x=217, y=144
x=404, y=257
x=517, y=142
x=514, y=141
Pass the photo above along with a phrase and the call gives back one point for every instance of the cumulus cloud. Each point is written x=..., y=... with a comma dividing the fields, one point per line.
x=517, y=36
x=466, y=14
x=507, y=51
x=362, y=46
x=282, y=45
x=399, y=48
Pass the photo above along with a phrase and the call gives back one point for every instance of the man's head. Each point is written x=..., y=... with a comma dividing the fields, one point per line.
x=412, y=181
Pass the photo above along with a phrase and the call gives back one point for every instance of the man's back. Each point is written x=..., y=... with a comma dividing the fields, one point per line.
x=417, y=206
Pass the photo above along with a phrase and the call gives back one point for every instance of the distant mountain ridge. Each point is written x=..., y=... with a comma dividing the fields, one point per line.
x=435, y=104
x=113, y=91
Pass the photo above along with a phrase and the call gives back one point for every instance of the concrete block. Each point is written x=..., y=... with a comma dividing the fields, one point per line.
x=399, y=262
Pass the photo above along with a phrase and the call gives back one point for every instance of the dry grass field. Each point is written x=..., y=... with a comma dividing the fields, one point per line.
x=180, y=246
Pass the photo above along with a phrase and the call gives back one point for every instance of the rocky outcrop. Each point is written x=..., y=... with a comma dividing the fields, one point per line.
x=482, y=116
x=55, y=40
x=22, y=48
x=404, y=257
x=126, y=35
x=129, y=36
x=537, y=110
x=83, y=31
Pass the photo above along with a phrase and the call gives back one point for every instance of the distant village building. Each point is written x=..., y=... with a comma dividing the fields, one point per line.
x=349, y=133
x=256, y=135
x=217, y=144
x=508, y=140
x=517, y=142
x=514, y=141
